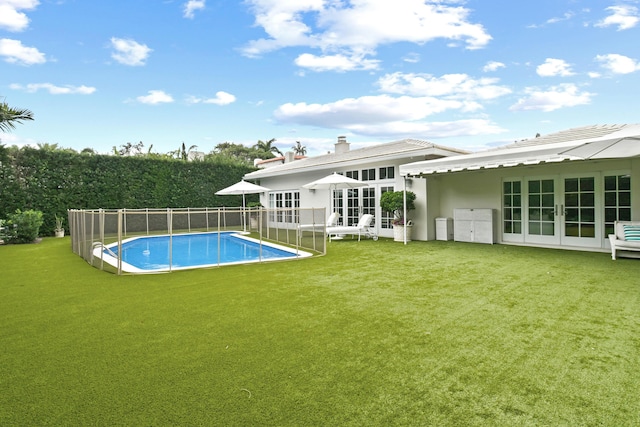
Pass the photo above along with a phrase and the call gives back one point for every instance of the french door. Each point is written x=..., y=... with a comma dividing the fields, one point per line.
x=554, y=210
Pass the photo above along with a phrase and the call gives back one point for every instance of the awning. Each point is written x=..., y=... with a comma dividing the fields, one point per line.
x=487, y=160
x=623, y=143
x=618, y=148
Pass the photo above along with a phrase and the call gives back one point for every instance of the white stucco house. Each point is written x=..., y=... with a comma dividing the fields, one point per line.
x=376, y=165
x=561, y=190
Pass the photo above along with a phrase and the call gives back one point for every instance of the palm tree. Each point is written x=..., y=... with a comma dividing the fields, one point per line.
x=10, y=116
x=268, y=147
x=299, y=149
x=183, y=153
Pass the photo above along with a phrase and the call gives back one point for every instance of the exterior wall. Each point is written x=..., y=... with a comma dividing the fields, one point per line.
x=321, y=198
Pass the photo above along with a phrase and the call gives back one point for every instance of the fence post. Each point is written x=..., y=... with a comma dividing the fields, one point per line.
x=120, y=220
x=170, y=226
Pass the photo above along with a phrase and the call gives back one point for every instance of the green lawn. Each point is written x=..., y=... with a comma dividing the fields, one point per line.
x=373, y=333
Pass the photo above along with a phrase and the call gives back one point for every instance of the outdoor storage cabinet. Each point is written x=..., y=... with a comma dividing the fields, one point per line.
x=473, y=225
x=444, y=228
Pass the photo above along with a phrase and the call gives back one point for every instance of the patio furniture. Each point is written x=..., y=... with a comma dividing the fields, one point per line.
x=332, y=221
x=363, y=228
x=626, y=239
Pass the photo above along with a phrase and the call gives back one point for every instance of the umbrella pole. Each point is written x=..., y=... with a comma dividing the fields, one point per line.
x=244, y=220
x=404, y=208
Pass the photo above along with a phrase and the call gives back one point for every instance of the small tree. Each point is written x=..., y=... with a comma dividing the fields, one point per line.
x=24, y=226
x=393, y=201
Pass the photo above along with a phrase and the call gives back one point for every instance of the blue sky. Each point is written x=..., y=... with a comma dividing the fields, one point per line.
x=467, y=74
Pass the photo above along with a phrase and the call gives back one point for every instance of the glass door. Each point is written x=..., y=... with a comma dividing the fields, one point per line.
x=581, y=222
x=542, y=212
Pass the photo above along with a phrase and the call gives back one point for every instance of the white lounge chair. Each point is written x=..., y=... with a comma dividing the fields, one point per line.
x=363, y=228
x=332, y=221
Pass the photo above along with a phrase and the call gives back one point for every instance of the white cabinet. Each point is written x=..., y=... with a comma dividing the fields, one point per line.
x=473, y=225
x=444, y=228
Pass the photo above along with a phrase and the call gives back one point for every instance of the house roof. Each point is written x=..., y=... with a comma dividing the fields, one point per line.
x=555, y=147
x=277, y=159
x=406, y=148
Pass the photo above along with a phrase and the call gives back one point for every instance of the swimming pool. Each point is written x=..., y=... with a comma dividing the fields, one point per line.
x=149, y=254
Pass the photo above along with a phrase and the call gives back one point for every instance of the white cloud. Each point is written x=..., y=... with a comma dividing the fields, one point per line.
x=565, y=17
x=618, y=64
x=10, y=17
x=129, y=52
x=221, y=98
x=11, y=139
x=622, y=16
x=359, y=27
x=556, y=97
x=335, y=62
x=386, y=115
x=450, y=86
x=492, y=66
x=191, y=6
x=412, y=58
x=155, y=97
x=554, y=67
x=55, y=90
x=430, y=130
x=15, y=53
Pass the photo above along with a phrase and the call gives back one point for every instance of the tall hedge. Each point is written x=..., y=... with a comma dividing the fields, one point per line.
x=53, y=181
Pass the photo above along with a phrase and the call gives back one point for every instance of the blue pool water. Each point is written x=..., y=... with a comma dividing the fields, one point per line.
x=152, y=253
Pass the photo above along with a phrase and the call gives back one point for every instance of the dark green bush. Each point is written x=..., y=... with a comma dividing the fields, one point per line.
x=53, y=181
x=24, y=226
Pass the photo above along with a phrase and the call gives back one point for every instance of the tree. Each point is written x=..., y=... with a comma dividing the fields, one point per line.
x=267, y=149
x=236, y=152
x=129, y=149
x=299, y=149
x=184, y=153
x=10, y=116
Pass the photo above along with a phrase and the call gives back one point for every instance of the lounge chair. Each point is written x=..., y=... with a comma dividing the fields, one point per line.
x=363, y=228
x=332, y=221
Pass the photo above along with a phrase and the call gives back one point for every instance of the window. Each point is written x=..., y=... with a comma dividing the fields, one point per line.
x=387, y=172
x=512, y=207
x=579, y=207
x=386, y=217
x=352, y=174
x=284, y=206
x=353, y=207
x=368, y=174
x=617, y=201
x=369, y=202
x=338, y=202
x=541, y=207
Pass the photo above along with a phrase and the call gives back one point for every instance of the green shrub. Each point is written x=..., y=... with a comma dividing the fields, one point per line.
x=393, y=201
x=24, y=227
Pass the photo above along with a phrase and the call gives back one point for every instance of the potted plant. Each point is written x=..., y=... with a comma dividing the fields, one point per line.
x=254, y=215
x=393, y=201
x=59, y=230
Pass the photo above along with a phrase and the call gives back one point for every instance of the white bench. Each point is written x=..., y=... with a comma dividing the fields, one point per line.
x=620, y=242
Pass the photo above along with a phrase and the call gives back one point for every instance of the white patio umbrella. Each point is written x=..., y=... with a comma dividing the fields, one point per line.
x=607, y=148
x=241, y=188
x=334, y=181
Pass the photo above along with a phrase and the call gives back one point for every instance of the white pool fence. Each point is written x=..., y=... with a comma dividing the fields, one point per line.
x=95, y=228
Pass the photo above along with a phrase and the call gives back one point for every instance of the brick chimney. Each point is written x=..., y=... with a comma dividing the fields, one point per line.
x=342, y=146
